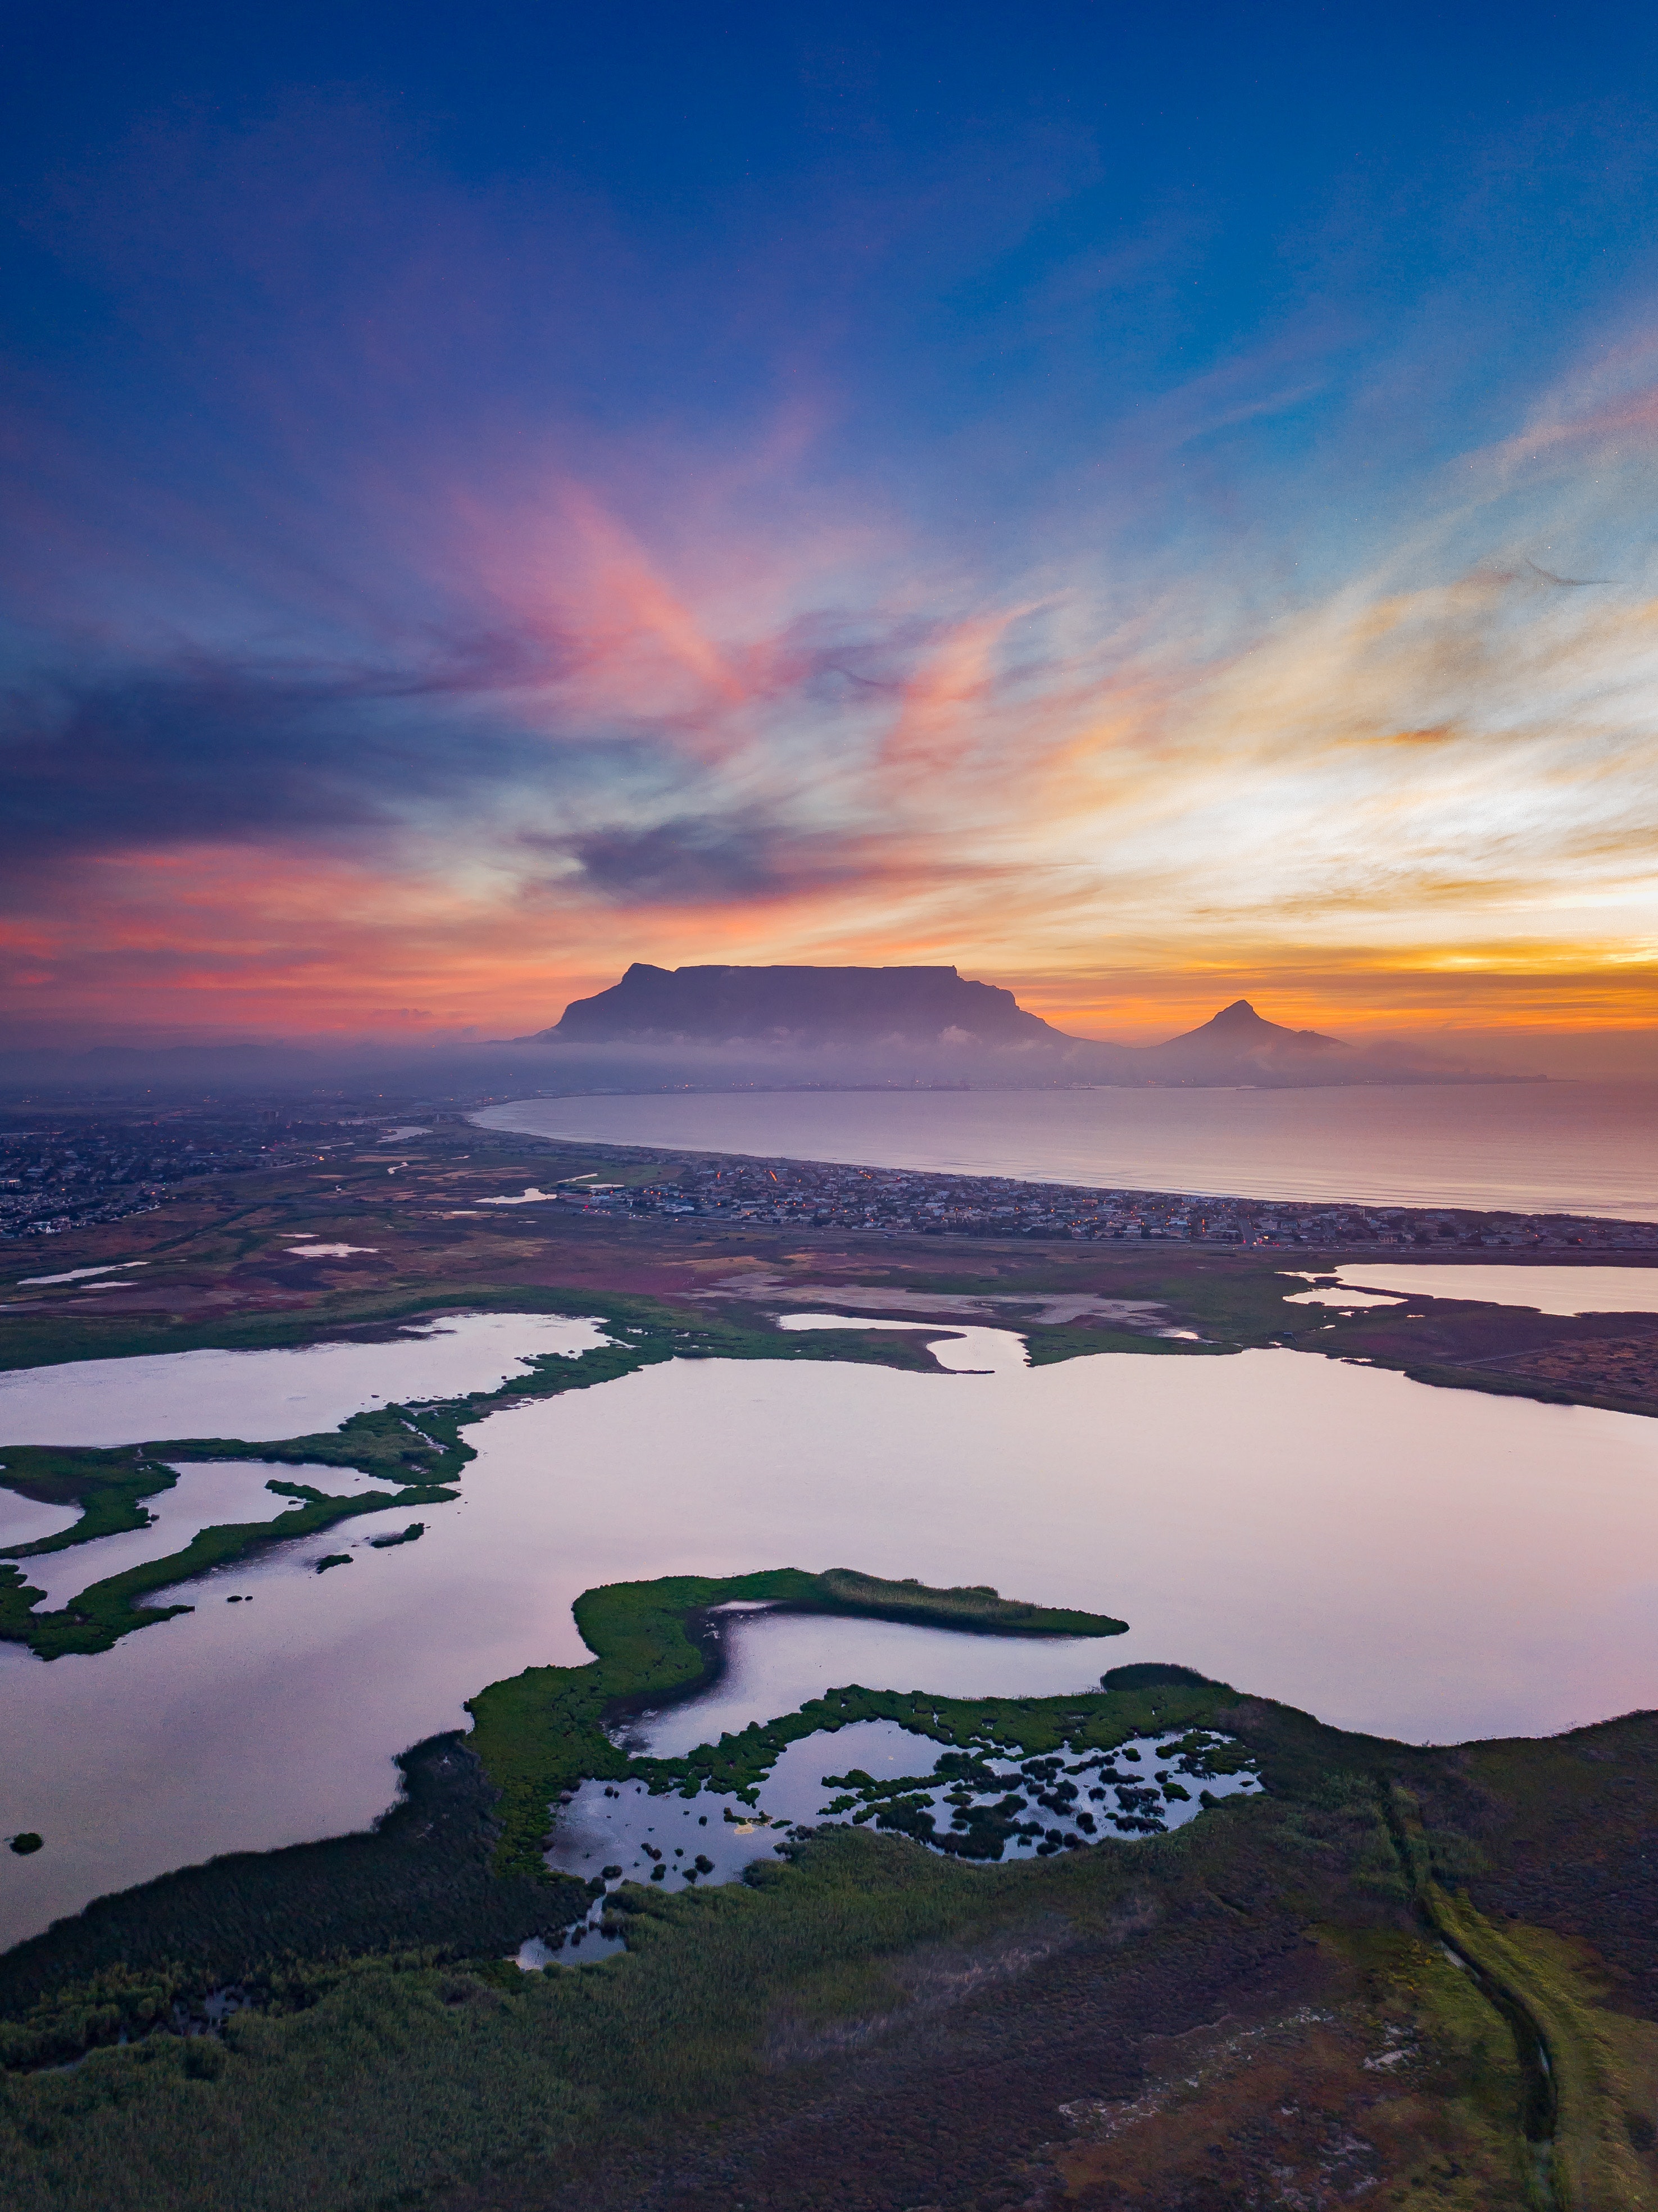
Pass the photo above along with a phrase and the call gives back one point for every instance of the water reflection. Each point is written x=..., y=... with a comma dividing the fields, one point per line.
x=209, y=1493
x=1545, y=1289
x=775, y=1663
x=259, y=1396
x=990, y=1804
x=1429, y=1563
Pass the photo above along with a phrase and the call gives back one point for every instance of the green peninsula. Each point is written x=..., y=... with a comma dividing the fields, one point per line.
x=545, y=1730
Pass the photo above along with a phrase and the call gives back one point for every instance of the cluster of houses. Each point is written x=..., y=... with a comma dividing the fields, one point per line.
x=827, y=1195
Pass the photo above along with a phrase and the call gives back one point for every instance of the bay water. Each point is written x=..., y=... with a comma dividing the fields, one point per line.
x=1523, y=1147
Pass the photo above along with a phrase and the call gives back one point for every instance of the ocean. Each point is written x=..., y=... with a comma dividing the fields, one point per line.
x=1526, y=1148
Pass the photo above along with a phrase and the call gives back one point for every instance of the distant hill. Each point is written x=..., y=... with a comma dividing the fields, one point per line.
x=1236, y=1041
x=933, y=1023
x=799, y=1006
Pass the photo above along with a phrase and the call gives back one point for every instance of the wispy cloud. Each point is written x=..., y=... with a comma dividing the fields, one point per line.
x=391, y=676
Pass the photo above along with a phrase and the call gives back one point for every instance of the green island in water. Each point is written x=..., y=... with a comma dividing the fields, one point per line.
x=343, y=2023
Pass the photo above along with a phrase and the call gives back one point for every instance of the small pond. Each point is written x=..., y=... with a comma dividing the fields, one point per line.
x=985, y=1803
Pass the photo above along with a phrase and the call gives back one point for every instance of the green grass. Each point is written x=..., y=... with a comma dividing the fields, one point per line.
x=394, y=2056
x=1595, y=2055
x=391, y=2078
x=1601, y=2056
x=400, y=2077
x=109, y=1486
x=420, y=1881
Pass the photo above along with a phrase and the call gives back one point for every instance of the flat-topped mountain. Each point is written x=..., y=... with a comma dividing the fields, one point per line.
x=926, y=1024
x=799, y=1006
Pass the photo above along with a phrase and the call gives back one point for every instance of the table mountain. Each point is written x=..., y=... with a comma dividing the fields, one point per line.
x=932, y=1024
x=799, y=1006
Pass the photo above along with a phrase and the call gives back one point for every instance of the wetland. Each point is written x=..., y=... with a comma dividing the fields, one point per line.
x=1290, y=1557
x=1198, y=1481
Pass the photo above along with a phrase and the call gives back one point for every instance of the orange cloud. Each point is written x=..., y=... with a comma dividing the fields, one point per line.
x=1427, y=794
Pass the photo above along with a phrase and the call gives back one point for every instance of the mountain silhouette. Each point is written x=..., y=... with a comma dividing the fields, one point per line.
x=1239, y=1030
x=799, y=1006
x=931, y=1024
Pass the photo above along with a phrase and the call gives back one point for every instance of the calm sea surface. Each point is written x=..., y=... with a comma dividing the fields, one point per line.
x=1531, y=1147
x=1429, y=1563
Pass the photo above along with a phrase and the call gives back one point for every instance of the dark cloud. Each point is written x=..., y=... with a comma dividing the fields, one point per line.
x=224, y=751
x=706, y=859
x=348, y=759
x=1567, y=583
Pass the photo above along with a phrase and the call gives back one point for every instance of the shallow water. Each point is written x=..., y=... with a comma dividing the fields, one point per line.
x=618, y=1828
x=259, y=1396
x=619, y=1824
x=208, y=1493
x=82, y=1275
x=959, y=1350
x=1545, y=1289
x=584, y=1943
x=776, y=1662
x=1531, y=1147
x=1429, y=1563
x=814, y=1776
x=26, y=1521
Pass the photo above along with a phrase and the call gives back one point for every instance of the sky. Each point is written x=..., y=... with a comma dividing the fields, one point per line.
x=1145, y=506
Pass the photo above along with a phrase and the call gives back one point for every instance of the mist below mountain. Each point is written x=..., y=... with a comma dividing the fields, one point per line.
x=775, y=1028
x=933, y=1025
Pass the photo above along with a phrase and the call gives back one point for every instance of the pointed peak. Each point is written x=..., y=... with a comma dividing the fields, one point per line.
x=1239, y=1028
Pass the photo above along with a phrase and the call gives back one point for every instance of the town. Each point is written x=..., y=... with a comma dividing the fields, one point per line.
x=814, y=1194
x=74, y=1168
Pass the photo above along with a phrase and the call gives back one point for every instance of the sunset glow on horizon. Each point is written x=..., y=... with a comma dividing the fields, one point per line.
x=433, y=581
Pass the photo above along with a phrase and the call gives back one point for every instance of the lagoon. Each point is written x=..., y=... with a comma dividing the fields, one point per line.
x=26, y=1521
x=776, y=1662
x=259, y=1397
x=1430, y=1563
x=207, y=1494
